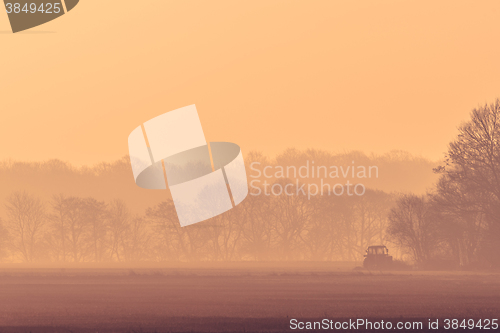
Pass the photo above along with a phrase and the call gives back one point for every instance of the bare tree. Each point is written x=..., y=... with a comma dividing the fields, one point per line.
x=138, y=239
x=462, y=219
x=59, y=225
x=321, y=231
x=257, y=229
x=468, y=192
x=76, y=227
x=118, y=223
x=173, y=241
x=371, y=211
x=474, y=157
x=4, y=236
x=26, y=219
x=290, y=216
x=94, y=216
x=412, y=227
x=223, y=235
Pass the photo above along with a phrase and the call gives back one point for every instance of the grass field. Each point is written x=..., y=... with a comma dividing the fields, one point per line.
x=233, y=297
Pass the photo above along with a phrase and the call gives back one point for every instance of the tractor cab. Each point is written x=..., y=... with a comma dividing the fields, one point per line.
x=377, y=257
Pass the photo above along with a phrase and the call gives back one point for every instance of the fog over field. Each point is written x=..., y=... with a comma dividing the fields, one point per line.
x=108, y=181
x=98, y=214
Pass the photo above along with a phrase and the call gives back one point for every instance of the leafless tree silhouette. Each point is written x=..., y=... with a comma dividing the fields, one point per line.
x=26, y=221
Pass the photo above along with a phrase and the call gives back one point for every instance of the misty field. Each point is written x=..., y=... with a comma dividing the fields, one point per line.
x=233, y=297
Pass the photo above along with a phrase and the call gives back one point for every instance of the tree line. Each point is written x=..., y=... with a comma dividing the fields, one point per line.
x=76, y=229
x=455, y=224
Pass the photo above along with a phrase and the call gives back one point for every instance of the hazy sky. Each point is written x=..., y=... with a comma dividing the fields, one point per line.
x=336, y=75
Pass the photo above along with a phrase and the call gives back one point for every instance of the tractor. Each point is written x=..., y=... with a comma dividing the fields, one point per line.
x=377, y=257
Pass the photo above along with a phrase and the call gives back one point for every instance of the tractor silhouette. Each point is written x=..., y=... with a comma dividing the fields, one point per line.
x=377, y=257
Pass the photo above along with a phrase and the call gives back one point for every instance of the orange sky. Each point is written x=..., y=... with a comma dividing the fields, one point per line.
x=336, y=75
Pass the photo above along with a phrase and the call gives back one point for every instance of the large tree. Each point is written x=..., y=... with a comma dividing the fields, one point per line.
x=469, y=188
